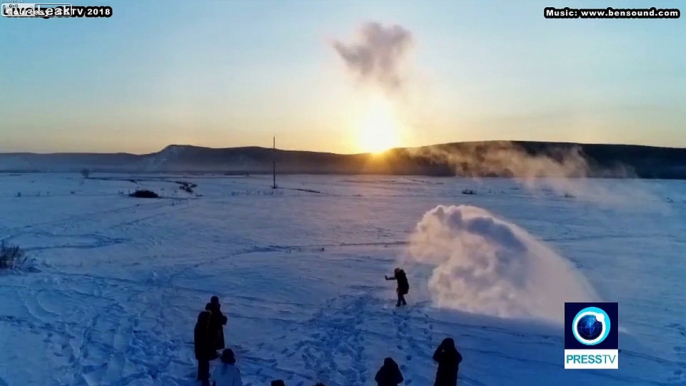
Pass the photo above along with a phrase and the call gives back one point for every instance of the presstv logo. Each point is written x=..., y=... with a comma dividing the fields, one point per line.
x=591, y=336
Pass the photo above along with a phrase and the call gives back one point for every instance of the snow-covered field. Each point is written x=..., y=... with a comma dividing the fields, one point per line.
x=117, y=282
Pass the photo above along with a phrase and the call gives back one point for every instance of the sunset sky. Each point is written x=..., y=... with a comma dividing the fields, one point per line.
x=235, y=73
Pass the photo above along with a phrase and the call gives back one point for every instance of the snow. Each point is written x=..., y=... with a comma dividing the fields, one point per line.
x=116, y=282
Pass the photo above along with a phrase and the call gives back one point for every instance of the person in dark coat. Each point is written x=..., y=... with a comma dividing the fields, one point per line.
x=389, y=374
x=448, y=359
x=217, y=322
x=403, y=286
x=204, y=342
x=278, y=382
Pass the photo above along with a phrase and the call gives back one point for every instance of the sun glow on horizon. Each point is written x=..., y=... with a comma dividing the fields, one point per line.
x=379, y=129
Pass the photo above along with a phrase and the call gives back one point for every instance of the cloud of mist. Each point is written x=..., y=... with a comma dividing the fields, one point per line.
x=503, y=158
x=377, y=55
x=486, y=265
x=562, y=169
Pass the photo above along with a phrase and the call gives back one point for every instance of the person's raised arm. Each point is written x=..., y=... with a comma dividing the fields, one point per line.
x=459, y=357
x=390, y=278
x=438, y=354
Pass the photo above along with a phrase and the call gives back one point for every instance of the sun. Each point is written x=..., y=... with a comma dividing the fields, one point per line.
x=379, y=129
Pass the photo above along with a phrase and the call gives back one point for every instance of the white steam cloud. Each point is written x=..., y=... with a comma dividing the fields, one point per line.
x=563, y=169
x=486, y=265
x=377, y=55
x=503, y=158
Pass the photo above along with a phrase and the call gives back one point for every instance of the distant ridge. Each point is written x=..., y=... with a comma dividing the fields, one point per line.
x=488, y=158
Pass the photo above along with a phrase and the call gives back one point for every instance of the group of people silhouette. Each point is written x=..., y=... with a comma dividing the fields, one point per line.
x=209, y=339
x=446, y=356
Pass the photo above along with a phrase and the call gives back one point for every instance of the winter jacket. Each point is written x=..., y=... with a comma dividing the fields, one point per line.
x=204, y=338
x=403, y=285
x=389, y=374
x=226, y=374
x=217, y=321
x=448, y=365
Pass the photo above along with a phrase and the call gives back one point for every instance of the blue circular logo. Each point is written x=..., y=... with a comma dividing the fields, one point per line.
x=591, y=326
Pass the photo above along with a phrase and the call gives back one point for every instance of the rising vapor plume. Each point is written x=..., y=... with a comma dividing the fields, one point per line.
x=486, y=265
x=377, y=55
x=506, y=159
x=563, y=168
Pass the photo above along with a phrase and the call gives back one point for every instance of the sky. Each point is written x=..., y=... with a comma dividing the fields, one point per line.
x=236, y=73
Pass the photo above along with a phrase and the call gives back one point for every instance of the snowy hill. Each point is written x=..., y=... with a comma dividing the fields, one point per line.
x=496, y=158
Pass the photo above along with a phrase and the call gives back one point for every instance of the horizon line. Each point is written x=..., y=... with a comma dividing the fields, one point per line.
x=343, y=153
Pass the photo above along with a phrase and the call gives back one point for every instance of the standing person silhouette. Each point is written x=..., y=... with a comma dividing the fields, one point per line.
x=389, y=374
x=403, y=286
x=448, y=359
x=204, y=340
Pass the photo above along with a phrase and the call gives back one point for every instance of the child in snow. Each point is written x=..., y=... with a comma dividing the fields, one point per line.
x=448, y=359
x=403, y=285
x=389, y=374
x=226, y=373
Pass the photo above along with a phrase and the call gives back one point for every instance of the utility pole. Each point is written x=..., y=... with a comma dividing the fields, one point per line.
x=274, y=162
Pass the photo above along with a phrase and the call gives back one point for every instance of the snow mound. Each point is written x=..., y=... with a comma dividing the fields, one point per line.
x=486, y=265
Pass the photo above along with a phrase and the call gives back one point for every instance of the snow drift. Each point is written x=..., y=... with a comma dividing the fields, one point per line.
x=487, y=265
